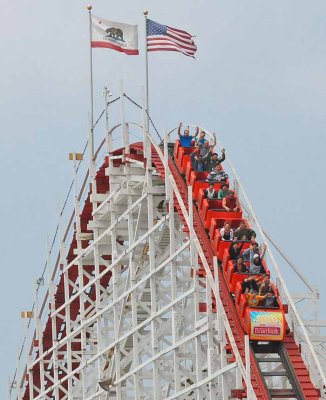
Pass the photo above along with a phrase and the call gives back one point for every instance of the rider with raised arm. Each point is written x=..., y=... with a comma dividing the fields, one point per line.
x=186, y=139
x=256, y=262
x=203, y=144
x=201, y=140
x=235, y=250
x=211, y=158
x=197, y=161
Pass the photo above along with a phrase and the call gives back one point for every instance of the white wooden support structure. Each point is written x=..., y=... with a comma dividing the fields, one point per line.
x=140, y=330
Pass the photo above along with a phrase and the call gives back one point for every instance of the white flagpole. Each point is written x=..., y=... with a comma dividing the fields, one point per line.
x=146, y=75
x=91, y=122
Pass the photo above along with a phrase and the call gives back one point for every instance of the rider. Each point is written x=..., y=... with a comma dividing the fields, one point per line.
x=186, y=139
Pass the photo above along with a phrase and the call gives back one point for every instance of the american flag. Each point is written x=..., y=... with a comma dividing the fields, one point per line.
x=164, y=38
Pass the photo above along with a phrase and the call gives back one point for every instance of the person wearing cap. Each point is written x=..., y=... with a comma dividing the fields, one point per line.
x=244, y=233
x=223, y=192
x=231, y=202
x=256, y=265
x=210, y=193
x=186, y=139
x=212, y=159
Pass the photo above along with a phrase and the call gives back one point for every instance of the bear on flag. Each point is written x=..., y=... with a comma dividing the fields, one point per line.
x=115, y=35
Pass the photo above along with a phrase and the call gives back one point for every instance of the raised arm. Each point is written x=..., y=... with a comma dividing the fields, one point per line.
x=197, y=131
x=179, y=129
x=264, y=251
x=214, y=139
x=207, y=157
x=221, y=159
x=251, y=255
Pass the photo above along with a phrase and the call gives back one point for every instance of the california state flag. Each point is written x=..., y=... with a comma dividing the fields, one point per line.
x=114, y=35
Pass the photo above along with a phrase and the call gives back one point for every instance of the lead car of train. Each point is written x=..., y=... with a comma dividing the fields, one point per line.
x=260, y=323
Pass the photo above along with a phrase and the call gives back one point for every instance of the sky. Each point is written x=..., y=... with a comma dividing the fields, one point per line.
x=258, y=81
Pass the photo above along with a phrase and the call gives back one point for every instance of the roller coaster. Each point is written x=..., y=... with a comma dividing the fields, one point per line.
x=142, y=300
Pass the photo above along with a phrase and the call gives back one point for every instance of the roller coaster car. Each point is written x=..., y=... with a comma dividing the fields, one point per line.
x=232, y=278
x=188, y=172
x=217, y=223
x=213, y=209
x=198, y=181
x=178, y=156
x=183, y=157
x=261, y=323
x=176, y=148
x=195, y=179
x=217, y=242
x=201, y=193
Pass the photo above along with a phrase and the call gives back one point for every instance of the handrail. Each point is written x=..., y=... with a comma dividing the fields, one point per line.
x=278, y=272
x=286, y=290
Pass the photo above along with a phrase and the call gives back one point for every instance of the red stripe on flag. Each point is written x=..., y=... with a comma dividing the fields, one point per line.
x=178, y=39
x=112, y=46
x=167, y=42
x=160, y=45
x=163, y=41
x=166, y=48
x=180, y=31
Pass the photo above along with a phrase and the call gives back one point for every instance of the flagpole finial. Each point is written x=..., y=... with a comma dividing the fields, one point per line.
x=145, y=13
x=89, y=7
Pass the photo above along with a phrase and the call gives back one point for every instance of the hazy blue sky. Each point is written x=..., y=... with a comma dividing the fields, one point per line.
x=258, y=81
